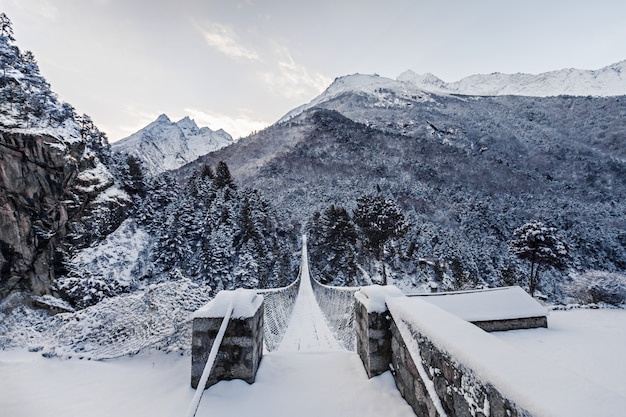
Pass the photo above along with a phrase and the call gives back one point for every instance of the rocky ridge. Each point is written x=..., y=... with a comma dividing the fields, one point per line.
x=164, y=145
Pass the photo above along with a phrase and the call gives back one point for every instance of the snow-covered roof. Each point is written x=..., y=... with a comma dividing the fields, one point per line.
x=489, y=304
x=245, y=304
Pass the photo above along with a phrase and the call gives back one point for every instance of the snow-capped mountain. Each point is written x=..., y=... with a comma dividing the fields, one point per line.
x=365, y=85
x=607, y=81
x=164, y=145
x=465, y=169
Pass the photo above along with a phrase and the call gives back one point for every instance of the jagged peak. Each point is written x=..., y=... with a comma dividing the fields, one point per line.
x=187, y=123
x=163, y=119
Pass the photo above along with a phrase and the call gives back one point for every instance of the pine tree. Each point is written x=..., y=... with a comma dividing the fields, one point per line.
x=134, y=181
x=334, y=246
x=379, y=220
x=222, y=176
x=540, y=245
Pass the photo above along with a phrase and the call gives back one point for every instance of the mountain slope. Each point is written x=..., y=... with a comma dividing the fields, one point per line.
x=164, y=145
x=607, y=81
x=466, y=170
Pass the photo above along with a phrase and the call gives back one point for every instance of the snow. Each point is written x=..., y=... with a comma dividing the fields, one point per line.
x=149, y=385
x=588, y=341
x=607, y=81
x=158, y=385
x=113, y=194
x=95, y=179
x=117, y=257
x=536, y=384
x=373, y=297
x=245, y=304
x=68, y=132
x=488, y=304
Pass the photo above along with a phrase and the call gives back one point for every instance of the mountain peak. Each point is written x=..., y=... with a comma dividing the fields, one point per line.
x=164, y=145
x=187, y=124
x=426, y=79
x=163, y=119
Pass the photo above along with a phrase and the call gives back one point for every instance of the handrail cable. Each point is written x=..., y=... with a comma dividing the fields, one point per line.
x=195, y=402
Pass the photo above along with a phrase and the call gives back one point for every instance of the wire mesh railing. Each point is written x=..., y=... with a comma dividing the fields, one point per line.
x=278, y=306
x=338, y=304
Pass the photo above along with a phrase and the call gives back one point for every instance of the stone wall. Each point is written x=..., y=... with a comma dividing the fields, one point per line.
x=512, y=324
x=240, y=353
x=457, y=390
x=373, y=339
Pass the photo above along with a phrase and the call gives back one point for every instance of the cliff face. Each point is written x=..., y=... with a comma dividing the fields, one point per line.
x=50, y=200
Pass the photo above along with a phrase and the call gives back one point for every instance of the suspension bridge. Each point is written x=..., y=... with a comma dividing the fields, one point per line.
x=308, y=369
x=326, y=351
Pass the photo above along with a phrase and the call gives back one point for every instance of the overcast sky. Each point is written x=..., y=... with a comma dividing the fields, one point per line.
x=241, y=65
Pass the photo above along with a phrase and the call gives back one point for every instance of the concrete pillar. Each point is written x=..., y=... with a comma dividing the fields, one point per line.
x=241, y=350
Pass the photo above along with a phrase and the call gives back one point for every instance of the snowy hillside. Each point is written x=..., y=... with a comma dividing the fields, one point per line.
x=607, y=81
x=164, y=145
x=466, y=171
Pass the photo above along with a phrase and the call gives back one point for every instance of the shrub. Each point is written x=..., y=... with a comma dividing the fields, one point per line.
x=598, y=287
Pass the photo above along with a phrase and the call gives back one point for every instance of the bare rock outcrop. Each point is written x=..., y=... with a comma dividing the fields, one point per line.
x=51, y=197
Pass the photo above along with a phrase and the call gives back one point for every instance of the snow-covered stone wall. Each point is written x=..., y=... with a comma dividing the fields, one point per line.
x=446, y=366
x=241, y=350
x=373, y=331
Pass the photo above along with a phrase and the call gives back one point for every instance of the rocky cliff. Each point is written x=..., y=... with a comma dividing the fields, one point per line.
x=34, y=173
x=51, y=198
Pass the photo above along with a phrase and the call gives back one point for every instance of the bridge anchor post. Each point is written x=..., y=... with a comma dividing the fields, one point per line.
x=241, y=349
x=373, y=329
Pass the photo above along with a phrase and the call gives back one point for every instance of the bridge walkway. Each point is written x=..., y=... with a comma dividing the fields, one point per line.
x=310, y=374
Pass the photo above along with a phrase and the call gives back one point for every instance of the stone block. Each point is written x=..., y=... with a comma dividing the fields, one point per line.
x=373, y=339
x=239, y=354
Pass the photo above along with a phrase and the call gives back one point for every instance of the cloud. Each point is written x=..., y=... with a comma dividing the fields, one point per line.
x=45, y=9
x=140, y=120
x=224, y=39
x=237, y=126
x=292, y=80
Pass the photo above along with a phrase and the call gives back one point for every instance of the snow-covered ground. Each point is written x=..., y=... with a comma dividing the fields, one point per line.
x=308, y=376
x=158, y=384
x=290, y=384
x=588, y=342
x=330, y=383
